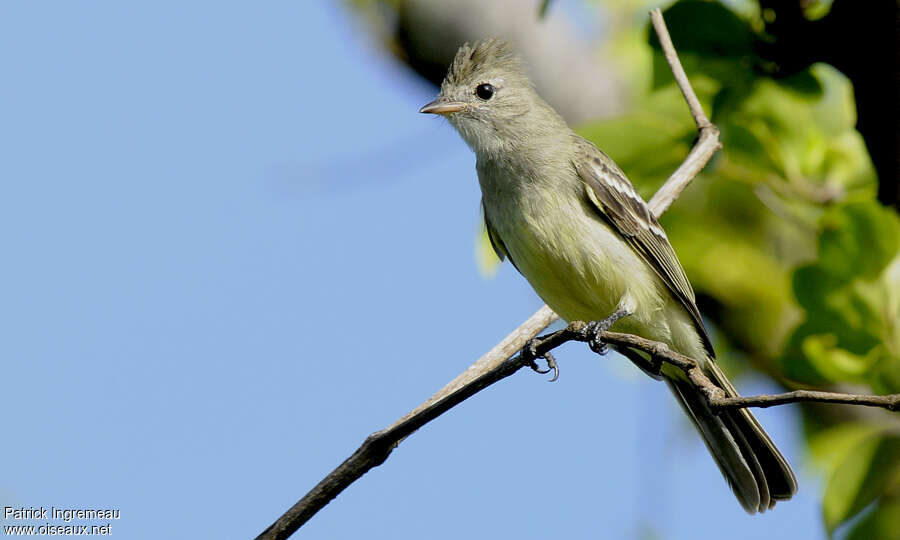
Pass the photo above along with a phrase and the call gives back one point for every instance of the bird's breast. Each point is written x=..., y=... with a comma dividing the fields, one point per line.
x=571, y=257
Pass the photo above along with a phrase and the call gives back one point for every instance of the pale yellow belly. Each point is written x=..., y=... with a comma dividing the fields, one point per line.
x=585, y=271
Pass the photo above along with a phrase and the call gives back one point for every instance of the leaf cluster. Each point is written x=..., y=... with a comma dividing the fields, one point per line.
x=788, y=249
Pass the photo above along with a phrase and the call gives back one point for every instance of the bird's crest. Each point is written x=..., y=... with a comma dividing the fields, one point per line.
x=482, y=57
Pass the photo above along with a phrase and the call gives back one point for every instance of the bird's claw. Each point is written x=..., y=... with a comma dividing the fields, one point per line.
x=593, y=331
x=529, y=352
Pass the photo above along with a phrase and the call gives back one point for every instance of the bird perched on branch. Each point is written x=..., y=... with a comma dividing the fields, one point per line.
x=569, y=220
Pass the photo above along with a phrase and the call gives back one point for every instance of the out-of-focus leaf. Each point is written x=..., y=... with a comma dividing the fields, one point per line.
x=805, y=138
x=734, y=73
x=852, y=300
x=860, y=477
x=814, y=10
x=837, y=307
x=838, y=336
x=836, y=447
x=710, y=40
x=706, y=28
x=829, y=447
x=803, y=83
x=882, y=523
x=832, y=362
x=809, y=283
x=885, y=377
x=835, y=113
x=858, y=239
x=485, y=256
x=721, y=240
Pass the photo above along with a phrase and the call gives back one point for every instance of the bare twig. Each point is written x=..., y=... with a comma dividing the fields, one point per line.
x=707, y=143
x=665, y=41
x=499, y=362
x=660, y=352
x=890, y=402
x=379, y=445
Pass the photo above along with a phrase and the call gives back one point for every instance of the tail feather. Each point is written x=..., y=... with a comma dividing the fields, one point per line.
x=753, y=467
x=781, y=480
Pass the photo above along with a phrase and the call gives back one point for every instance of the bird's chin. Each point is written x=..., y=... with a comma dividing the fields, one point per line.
x=480, y=138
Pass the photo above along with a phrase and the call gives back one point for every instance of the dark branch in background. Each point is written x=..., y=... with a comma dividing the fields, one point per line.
x=425, y=35
x=505, y=359
x=862, y=40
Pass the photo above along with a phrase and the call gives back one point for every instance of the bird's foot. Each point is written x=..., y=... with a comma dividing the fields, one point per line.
x=594, y=329
x=530, y=355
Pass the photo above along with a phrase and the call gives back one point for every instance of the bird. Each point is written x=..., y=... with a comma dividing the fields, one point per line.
x=569, y=220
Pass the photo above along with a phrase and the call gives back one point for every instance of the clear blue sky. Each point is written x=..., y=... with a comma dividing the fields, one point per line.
x=232, y=248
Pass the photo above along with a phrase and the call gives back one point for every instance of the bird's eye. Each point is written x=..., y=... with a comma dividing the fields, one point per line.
x=484, y=91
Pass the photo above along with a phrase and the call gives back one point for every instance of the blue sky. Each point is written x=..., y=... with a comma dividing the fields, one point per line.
x=233, y=248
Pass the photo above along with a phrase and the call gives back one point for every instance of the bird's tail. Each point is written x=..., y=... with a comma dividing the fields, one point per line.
x=755, y=470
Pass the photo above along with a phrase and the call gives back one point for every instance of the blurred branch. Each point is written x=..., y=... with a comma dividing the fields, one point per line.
x=425, y=35
x=502, y=360
x=542, y=10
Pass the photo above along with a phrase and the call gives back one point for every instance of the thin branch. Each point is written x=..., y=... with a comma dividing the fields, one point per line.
x=499, y=362
x=665, y=41
x=660, y=352
x=708, y=141
x=890, y=402
x=491, y=361
x=379, y=445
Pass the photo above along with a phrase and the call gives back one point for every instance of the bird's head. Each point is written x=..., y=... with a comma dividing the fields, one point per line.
x=488, y=98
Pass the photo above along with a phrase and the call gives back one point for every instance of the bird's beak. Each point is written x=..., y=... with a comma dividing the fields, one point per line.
x=440, y=106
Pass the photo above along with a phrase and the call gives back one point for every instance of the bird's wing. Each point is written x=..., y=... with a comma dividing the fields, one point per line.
x=496, y=241
x=618, y=202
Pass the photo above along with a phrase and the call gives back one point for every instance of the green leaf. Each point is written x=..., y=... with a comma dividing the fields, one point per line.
x=485, y=256
x=811, y=284
x=829, y=447
x=886, y=377
x=860, y=478
x=706, y=28
x=858, y=239
x=852, y=301
x=835, y=113
x=834, y=363
x=710, y=40
x=882, y=523
x=846, y=310
x=804, y=84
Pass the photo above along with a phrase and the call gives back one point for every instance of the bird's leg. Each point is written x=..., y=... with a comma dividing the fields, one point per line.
x=530, y=354
x=594, y=328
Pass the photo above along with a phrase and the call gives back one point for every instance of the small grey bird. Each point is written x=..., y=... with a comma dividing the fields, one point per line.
x=570, y=222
